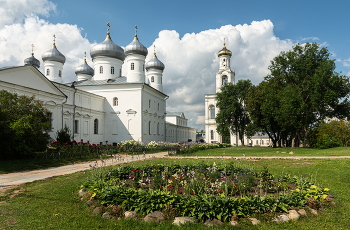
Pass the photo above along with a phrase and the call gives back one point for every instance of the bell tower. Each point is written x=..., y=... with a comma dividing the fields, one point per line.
x=225, y=74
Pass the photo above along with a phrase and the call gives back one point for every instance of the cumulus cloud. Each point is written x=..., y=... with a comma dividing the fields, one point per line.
x=191, y=62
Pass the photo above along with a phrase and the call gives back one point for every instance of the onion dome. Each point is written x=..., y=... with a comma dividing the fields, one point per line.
x=135, y=47
x=107, y=48
x=84, y=69
x=224, y=51
x=54, y=55
x=32, y=61
x=154, y=63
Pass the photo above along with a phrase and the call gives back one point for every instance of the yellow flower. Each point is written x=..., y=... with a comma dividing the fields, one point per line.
x=326, y=189
x=313, y=186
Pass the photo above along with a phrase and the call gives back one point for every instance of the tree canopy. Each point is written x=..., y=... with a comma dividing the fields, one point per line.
x=24, y=125
x=232, y=116
x=301, y=90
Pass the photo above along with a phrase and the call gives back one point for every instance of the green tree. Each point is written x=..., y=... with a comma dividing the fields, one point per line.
x=306, y=90
x=24, y=124
x=232, y=116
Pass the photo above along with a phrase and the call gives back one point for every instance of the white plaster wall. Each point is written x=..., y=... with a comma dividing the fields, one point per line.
x=106, y=63
x=138, y=73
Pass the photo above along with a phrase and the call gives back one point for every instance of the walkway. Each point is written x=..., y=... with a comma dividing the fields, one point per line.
x=13, y=179
x=17, y=178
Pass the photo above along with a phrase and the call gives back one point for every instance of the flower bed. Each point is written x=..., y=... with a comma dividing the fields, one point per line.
x=202, y=191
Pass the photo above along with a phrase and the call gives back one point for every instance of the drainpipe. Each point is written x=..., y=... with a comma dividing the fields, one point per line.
x=62, y=109
x=74, y=107
x=166, y=98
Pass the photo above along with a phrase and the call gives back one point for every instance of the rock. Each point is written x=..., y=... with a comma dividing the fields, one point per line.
x=183, y=220
x=291, y=153
x=81, y=192
x=156, y=216
x=92, y=202
x=254, y=221
x=302, y=212
x=107, y=215
x=313, y=211
x=214, y=222
x=233, y=223
x=281, y=218
x=293, y=215
x=130, y=215
x=97, y=210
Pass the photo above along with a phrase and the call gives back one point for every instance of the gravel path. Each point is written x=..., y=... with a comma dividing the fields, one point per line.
x=11, y=180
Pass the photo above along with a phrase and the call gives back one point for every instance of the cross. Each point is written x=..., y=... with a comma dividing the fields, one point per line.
x=135, y=30
x=109, y=26
x=32, y=48
x=224, y=41
x=54, y=38
x=154, y=49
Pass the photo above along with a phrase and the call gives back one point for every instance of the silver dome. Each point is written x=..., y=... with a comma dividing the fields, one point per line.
x=154, y=63
x=32, y=61
x=84, y=69
x=135, y=47
x=54, y=55
x=107, y=48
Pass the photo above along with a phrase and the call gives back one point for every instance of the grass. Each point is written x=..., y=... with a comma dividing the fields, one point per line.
x=276, y=152
x=54, y=203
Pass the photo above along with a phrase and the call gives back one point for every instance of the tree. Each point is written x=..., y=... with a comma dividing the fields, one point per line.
x=232, y=116
x=24, y=124
x=306, y=90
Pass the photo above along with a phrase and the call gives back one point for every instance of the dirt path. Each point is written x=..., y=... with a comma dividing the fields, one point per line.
x=11, y=180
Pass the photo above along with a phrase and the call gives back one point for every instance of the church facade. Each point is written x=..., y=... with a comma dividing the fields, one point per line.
x=223, y=76
x=101, y=105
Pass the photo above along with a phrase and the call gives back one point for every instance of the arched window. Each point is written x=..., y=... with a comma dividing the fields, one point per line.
x=158, y=106
x=115, y=101
x=224, y=80
x=149, y=103
x=152, y=79
x=96, y=126
x=158, y=128
x=132, y=66
x=47, y=72
x=211, y=134
x=101, y=69
x=120, y=72
x=112, y=70
x=211, y=112
x=143, y=67
x=60, y=73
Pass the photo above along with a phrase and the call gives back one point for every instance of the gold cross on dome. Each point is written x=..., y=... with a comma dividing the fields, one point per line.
x=136, y=30
x=32, y=48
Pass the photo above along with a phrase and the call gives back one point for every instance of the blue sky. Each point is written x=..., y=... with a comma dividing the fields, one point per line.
x=187, y=34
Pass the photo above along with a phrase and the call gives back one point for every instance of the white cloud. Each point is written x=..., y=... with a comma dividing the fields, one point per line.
x=190, y=62
x=14, y=11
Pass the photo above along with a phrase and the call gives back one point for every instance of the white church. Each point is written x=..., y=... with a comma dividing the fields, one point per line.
x=102, y=105
x=223, y=76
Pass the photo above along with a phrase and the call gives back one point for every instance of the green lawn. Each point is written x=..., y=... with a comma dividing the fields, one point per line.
x=54, y=203
x=268, y=151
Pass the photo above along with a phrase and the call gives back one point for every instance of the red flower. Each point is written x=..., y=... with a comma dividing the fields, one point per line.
x=133, y=170
x=221, y=191
x=180, y=191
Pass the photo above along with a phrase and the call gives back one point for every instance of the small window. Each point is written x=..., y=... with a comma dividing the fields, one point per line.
x=96, y=126
x=149, y=103
x=120, y=72
x=158, y=106
x=60, y=73
x=49, y=117
x=143, y=67
x=112, y=70
x=152, y=79
x=132, y=66
x=101, y=69
x=211, y=134
x=47, y=72
x=76, y=126
x=115, y=101
x=158, y=128
x=149, y=127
